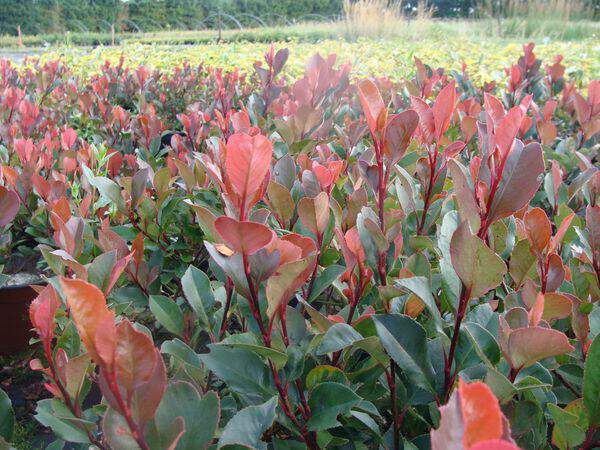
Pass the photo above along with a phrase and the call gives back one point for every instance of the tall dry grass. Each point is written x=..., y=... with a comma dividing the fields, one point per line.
x=382, y=18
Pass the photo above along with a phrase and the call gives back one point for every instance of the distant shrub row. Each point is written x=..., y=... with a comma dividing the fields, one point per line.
x=58, y=16
x=50, y=16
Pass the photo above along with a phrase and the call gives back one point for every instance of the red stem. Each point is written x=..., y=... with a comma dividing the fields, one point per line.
x=136, y=433
x=449, y=377
x=282, y=391
x=74, y=408
x=229, y=290
x=391, y=379
x=433, y=175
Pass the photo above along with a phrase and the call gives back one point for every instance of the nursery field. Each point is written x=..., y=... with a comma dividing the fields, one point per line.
x=486, y=58
x=387, y=245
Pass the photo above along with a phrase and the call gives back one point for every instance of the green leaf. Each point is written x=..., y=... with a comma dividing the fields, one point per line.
x=198, y=292
x=406, y=342
x=477, y=266
x=566, y=434
x=100, y=269
x=481, y=341
x=591, y=382
x=248, y=341
x=371, y=237
x=116, y=431
x=420, y=287
x=243, y=371
x=200, y=414
x=248, y=425
x=522, y=262
x=321, y=374
x=54, y=414
x=339, y=336
x=325, y=279
x=327, y=401
x=110, y=191
x=7, y=416
x=181, y=351
x=167, y=313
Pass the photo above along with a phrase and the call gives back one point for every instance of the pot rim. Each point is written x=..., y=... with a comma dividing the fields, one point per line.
x=23, y=286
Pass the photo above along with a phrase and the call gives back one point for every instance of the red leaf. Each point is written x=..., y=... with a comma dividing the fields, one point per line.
x=556, y=272
x=9, y=206
x=526, y=346
x=116, y=272
x=592, y=222
x=443, y=108
x=372, y=105
x=148, y=396
x=243, y=237
x=494, y=109
x=495, y=444
x=314, y=213
x=507, y=130
x=426, y=119
x=247, y=163
x=538, y=228
x=520, y=181
x=42, y=312
x=398, y=133
x=135, y=357
x=92, y=318
x=472, y=416
x=560, y=233
x=556, y=306
x=286, y=281
x=481, y=413
x=535, y=314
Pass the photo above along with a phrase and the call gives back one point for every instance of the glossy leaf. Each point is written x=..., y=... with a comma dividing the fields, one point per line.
x=406, y=343
x=248, y=161
x=591, y=382
x=243, y=237
x=520, y=180
x=248, y=425
x=477, y=266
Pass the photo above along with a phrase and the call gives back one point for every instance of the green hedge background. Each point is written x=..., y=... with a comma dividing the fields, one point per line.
x=58, y=16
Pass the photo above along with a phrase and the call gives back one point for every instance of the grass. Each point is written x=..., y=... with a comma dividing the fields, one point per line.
x=23, y=432
x=388, y=23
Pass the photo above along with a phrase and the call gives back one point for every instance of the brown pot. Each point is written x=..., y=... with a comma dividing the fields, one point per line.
x=15, y=327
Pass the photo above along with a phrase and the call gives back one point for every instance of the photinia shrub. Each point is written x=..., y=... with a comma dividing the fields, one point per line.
x=249, y=261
